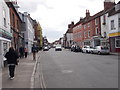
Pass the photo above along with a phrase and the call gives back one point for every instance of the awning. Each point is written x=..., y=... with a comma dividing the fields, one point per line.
x=3, y=39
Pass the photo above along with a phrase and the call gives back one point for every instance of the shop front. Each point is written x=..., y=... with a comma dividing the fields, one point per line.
x=114, y=42
x=5, y=43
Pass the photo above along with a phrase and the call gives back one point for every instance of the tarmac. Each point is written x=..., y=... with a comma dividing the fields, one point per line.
x=24, y=74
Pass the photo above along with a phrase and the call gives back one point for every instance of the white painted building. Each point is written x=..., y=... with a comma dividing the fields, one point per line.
x=114, y=28
x=27, y=30
x=5, y=33
x=104, y=30
x=69, y=41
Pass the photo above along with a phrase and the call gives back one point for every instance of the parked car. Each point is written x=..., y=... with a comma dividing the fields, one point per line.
x=45, y=48
x=87, y=49
x=58, y=48
x=73, y=48
x=101, y=50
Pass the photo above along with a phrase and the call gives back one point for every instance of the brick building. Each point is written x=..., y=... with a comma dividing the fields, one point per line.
x=15, y=24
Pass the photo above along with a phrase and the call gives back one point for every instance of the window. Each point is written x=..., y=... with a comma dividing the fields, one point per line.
x=84, y=34
x=112, y=25
x=104, y=20
x=17, y=24
x=105, y=34
x=119, y=22
x=88, y=24
x=4, y=18
x=97, y=30
x=88, y=33
x=96, y=22
x=84, y=26
x=13, y=17
x=117, y=42
x=5, y=22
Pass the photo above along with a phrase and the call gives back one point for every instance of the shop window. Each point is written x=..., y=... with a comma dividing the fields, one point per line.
x=117, y=42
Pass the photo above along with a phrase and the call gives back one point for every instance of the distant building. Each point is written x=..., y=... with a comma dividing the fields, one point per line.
x=69, y=35
x=27, y=30
x=38, y=34
x=93, y=30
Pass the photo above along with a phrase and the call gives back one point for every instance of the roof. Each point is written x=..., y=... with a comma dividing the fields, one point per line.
x=10, y=5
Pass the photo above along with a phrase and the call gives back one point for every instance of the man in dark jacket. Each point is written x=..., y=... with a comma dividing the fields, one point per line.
x=34, y=50
x=12, y=57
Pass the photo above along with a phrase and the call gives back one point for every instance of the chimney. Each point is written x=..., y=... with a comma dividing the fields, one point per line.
x=108, y=4
x=87, y=14
x=117, y=6
x=72, y=23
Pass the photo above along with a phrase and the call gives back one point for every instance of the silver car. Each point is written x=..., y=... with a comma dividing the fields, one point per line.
x=101, y=50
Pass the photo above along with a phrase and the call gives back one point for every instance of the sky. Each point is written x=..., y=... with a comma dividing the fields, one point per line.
x=55, y=15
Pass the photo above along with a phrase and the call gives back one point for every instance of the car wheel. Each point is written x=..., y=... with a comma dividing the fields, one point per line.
x=86, y=51
x=91, y=52
x=99, y=53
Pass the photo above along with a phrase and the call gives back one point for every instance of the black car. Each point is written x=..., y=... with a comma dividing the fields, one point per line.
x=76, y=48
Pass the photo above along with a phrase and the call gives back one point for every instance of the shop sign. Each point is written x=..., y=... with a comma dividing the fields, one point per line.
x=5, y=34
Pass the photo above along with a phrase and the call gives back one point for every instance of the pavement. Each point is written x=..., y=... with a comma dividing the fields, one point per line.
x=24, y=74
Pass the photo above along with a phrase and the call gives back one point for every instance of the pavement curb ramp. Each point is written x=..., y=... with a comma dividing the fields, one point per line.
x=33, y=74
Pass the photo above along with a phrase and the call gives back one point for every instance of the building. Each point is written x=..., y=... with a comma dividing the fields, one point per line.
x=5, y=32
x=93, y=30
x=88, y=31
x=15, y=25
x=108, y=5
x=27, y=30
x=114, y=28
x=69, y=35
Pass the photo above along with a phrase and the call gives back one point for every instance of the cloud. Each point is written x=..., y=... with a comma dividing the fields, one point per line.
x=55, y=15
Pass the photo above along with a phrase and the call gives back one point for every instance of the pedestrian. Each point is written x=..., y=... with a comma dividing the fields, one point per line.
x=12, y=61
x=21, y=51
x=34, y=52
x=26, y=52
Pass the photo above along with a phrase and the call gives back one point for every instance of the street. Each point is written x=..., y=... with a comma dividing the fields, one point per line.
x=66, y=69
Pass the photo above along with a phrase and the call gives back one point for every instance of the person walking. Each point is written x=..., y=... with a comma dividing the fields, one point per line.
x=21, y=51
x=12, y=61
x=34, y=52
x=26, y=52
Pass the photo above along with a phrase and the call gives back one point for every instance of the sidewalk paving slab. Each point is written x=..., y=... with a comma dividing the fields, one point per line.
x=23, y=74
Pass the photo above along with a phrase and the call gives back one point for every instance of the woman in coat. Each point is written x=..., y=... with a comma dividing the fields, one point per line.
x=12, y=57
